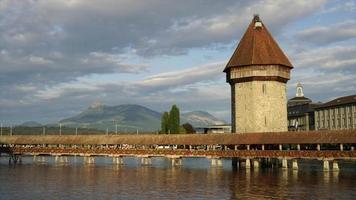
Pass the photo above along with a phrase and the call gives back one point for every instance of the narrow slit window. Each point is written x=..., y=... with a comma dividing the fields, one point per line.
x=264, y=89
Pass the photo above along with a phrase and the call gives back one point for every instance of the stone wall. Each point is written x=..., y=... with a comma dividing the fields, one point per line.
x=260, y=106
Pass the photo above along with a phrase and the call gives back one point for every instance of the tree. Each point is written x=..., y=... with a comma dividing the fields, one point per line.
x=174, y=120
x=164, y=123
x=188, y=128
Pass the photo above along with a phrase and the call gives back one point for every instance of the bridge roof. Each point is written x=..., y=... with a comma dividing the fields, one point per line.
x=310, y=137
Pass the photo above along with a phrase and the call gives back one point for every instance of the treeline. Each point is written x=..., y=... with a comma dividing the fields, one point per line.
x=170, y=123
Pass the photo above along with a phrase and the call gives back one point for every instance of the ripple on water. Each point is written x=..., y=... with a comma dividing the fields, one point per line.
x=194, y=180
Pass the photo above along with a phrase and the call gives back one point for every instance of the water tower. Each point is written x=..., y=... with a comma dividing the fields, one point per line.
x=258, y=72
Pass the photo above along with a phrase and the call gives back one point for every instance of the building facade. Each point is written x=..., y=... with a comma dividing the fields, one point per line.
x=300, y=112
x=223, y=128
x=257, y=73
x=337, y=114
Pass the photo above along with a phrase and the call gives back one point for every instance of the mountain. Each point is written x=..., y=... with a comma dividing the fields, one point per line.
x=127, y=118
x=200, y=118
x=31, y=124
x=130, y=118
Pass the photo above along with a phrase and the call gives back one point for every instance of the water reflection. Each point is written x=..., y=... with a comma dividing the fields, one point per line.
x=195, y=179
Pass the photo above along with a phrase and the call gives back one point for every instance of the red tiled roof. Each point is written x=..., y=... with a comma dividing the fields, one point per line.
x=257, y=47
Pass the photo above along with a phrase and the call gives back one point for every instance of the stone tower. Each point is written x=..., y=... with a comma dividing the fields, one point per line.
x=258, y=72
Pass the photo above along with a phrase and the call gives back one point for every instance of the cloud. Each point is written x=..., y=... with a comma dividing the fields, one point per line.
x=55, y=56
x=335, y=58
x=207, y=72
x=339, y=6
x=116, y=61
x=51, y=42
x=36, y=60
x=323, y=35
x=186, y=88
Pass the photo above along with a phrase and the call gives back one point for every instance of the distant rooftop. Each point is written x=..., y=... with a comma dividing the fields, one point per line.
x=339, y=101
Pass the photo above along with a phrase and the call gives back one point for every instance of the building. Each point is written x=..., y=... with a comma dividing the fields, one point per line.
x=337, y=114
x=299, y=98
x=300, y=112
x=257, y=73
x=224, y=128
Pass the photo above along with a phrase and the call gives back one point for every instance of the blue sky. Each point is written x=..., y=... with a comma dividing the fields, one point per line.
x=58, y=57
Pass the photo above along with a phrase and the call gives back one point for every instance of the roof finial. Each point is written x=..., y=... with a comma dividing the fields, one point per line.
x=258, y=23
x=256, y=17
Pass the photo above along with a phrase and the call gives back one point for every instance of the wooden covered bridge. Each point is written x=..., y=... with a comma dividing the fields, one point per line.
x=250, y=148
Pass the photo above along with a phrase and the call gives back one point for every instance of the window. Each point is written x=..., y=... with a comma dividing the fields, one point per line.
x=264, y=89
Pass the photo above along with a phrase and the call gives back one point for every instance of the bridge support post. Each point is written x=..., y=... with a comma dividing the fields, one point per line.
x=56, y=158
x=284, y=163
x=117, y=160
x=325, y=165
x=295, y=164
x=219, y=162
x=248, y=163
x=213, y=162
x=256, y=164
x=63, y=159
x=176, y=161
x=89, y=160
x=216, y=162
x=145, y=161
x=335, y=166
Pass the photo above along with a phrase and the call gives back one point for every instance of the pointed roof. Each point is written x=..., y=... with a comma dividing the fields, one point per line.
x=257, y=47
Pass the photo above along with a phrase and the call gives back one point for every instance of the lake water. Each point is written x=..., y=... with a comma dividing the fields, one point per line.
x=195, y=179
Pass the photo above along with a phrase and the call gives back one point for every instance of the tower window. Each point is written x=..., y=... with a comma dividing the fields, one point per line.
x=265, y=120
x=264, y=89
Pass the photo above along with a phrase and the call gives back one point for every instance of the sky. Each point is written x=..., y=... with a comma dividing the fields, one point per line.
x=57, y=57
